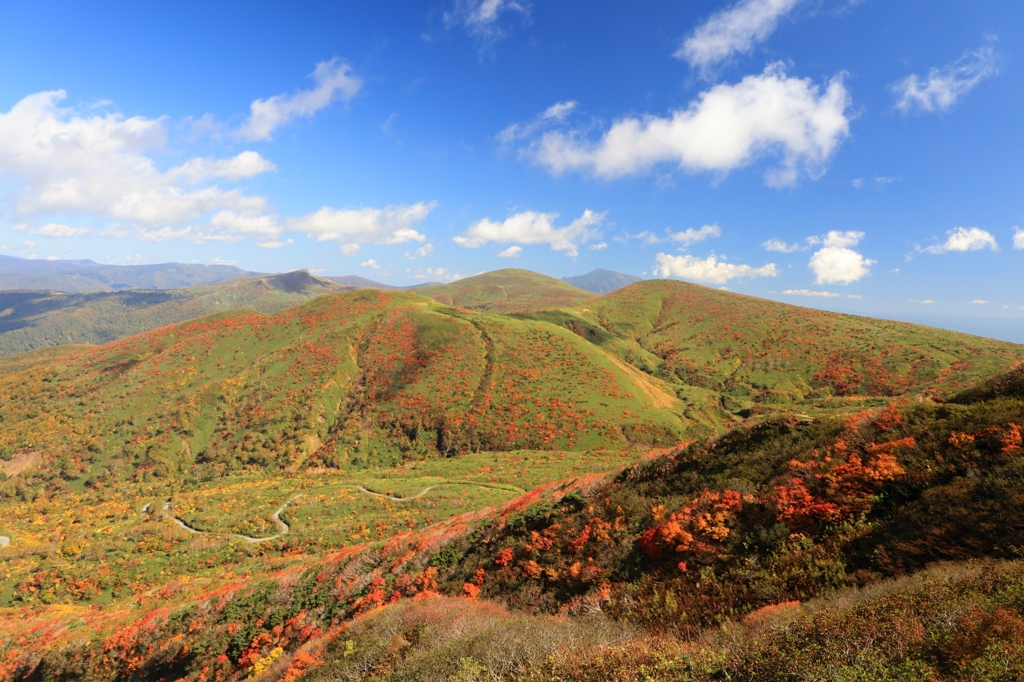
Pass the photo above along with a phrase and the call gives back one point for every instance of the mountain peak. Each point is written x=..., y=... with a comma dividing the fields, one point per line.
x=601, y=281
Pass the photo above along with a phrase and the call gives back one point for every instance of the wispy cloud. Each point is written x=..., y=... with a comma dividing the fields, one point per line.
x=736, y=29
x=964, y=239
x=334, y=80
x=692, y=236
x=942, y=88
x=1018, y=238
x=808, y=292
x=482, y=18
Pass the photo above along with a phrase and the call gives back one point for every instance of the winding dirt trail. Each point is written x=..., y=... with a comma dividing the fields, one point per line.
x=277, y=519
x=166, y=511
x=438, y=485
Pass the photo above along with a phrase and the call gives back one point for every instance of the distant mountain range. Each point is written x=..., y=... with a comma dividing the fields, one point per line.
x=601, y=281
x=78, y=276
x=39, y=319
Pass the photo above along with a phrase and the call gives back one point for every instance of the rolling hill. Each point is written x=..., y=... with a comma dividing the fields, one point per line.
x=30, y=319
x=507, y=291
x=601, y=281
x=77, y=276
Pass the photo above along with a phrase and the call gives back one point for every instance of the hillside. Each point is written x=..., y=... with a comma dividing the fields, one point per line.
x=33, y=319
x=790, y=549
x=77, y=276
x=507, y=291
x=601, y=281
x=759, y=356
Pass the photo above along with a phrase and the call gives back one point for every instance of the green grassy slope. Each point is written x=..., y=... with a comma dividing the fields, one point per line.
x=30, y=320
x=507, y=291
x=357, y=379
x=757, y=356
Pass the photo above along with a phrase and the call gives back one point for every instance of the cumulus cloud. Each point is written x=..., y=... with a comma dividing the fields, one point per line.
x=836, y=262
x=598, y=247
x=481, y=18
x=333, y=80
x=511, y=252
x=979, y=301
x=1018, y=238
x=727, y=127
x=354, y=227
x=942, y=88
x=808, y=292
x=736, y=29
x=530, y=227
x=370, y=264
x=709, y=270
x=692, y=236
x=96, y=165
x=246, y=165
x=965, y=239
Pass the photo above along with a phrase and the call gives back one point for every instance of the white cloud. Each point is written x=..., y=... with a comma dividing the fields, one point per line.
x=334, y=79
x=1018, y=238
x=598, y=247
x=530, y=227
x=355, y=227
x=276, y=244
x=857, y=296
x=927, y=301
x=964, y=239
x=781, y=246
x=692, y=236
x=421, y=252
x=481, y=18
x=511, y=252
x=442, y=274
x=246, y=165
x=556, y=113
x=709, y=270
x=53, y=230
x=727, y=127
x=97, y=165
x=370, y=264
x=836, y=263
x=979, y=301
x=732, y=30
x=808, y=292
x=943, y=87
x=388, y=126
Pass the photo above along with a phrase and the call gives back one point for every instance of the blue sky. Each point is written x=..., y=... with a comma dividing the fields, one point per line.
x=859, y=156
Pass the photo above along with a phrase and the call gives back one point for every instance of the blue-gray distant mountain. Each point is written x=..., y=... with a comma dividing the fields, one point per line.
x=601, y=281
x=357, y=281
x=80, y=276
